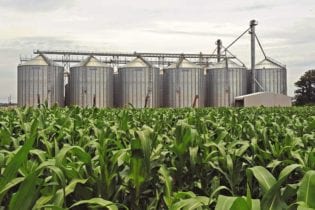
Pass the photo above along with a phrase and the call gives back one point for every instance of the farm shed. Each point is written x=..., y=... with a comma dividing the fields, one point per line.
x=263, y=99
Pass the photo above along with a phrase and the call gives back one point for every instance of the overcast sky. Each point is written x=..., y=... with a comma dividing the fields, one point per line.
x=286, y=29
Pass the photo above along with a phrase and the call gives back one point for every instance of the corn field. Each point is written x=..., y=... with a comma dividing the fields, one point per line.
x=224, y=158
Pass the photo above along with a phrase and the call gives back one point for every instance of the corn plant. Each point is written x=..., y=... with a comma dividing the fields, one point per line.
x=218, y=158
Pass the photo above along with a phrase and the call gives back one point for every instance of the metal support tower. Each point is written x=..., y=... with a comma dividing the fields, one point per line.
x=219, y=46
x=253, y=24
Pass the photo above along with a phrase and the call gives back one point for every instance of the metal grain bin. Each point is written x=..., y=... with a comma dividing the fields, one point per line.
x=161, y=88
x=139, y=84
x=184, y=85
x=249, y=79
x=225, y=80
x=271, y=77
x=67, y=95
x=116, y=89
x=40, y=81
x=91, y=84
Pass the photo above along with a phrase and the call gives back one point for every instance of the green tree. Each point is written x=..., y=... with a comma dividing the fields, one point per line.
x=305, y=94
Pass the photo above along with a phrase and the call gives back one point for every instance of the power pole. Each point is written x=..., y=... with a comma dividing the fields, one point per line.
x=253, y=24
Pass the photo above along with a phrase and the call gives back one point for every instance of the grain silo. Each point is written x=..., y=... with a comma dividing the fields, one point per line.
x=225, y=80
x=161, y=88
x=40, y=81
x=184, y=85
x=67, y=94
x=139, y=84
x=116, y=89
x=271, y=77
x=91, y=84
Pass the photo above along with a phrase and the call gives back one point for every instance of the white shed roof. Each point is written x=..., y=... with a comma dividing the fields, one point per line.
x=255, y=94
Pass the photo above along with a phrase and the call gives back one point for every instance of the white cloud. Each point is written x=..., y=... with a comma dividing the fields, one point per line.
x=36, y=5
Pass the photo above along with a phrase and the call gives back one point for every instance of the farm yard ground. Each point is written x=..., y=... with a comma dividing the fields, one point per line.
x=211, y=158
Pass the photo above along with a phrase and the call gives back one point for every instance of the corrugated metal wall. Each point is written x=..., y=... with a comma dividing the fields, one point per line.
x=272, y=80
x=183, y=86
x=138, y=84
x=225, y=84
x=38, y=84
x=91, y=86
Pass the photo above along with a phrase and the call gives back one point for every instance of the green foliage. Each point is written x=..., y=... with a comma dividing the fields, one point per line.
x=305, y=94
x=306, y=192
x=236, y=203
x=97, y=202
x=223, y=158
x=272, y=197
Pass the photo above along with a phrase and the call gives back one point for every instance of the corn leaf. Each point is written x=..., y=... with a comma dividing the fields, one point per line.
x=306, y=192
x=11, y=184
x=263, y=176
x=97, y=202
x=26, y=195
x=236, y=203
x=11, y=169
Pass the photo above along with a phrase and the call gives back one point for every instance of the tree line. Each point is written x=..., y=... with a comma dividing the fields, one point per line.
x=305, y=92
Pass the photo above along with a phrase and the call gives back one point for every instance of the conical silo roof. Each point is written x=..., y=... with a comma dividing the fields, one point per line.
x=138, y=62
x=39, y=60
x=231, y=64
x=183, y=63
x=267, y=64
x=91, y=61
